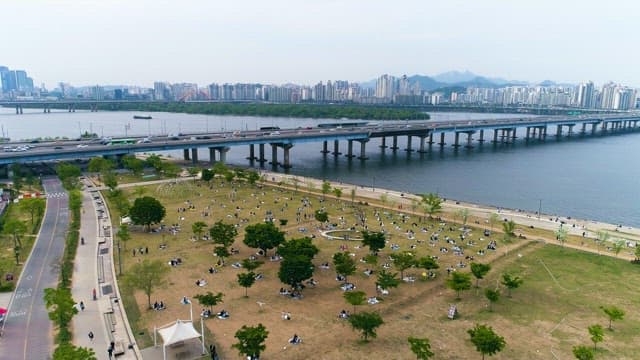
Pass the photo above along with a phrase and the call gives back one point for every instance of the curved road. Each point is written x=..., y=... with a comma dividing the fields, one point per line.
x=27, y=328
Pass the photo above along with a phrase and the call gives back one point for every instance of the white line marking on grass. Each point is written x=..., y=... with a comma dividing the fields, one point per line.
x=552, y=277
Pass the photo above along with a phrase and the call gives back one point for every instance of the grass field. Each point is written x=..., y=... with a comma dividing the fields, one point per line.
x=562, y=288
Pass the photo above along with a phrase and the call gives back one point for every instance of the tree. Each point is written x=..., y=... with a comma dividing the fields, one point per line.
x=198, y=228
x=493, y=219
x=263, y=236
x=146, y=211
x=221, y=252
x=246, y=280
x=374, y=240
x=387, y=280
x=209, y=299
x=421, y=348
x=337, y=192
x=344, y=263
x=486, y=341
x=326, y=188
x=353, y=196
x=302, y=246
x=614, y=313
x=194, y=171
x=432, y=204
x=618, y=245
x=60, y=305
x=321, y=216
x=253, y=177
x=479, y=271
x=511, y=282
x=427, y=263
x=509, y=227
x=123, y=234
x=637, y=252
x=597, y=334
x=34, y=206
x=132, y=163
x=355, y=298
x=68, y=351
x=99, y=164
x=402, y=261
x=68, y=174
x=170, y=169
x=16, y=229
x=602, y=237
x=251, y=265
x=251, y=341
x=295, y=269
x=146, y=276
x=583, y=353
x=463, y=214
x=155, y=162
x=459, y=282
x=223, y=234
x=384, y=199
x=493, y=296
x=367, y=323
x=561, y=234
x=110, y=180
x=207, y=175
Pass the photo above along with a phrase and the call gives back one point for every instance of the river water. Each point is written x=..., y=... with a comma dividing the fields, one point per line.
x=590, y=178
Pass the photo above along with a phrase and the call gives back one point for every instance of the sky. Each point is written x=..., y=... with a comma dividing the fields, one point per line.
x=137, y=42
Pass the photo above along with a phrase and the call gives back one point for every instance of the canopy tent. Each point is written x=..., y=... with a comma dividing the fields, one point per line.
x=177, y=332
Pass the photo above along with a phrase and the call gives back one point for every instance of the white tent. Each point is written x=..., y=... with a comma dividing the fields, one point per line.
x=177, y=332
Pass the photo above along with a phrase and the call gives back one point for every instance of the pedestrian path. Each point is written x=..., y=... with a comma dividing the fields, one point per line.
x=94, y=273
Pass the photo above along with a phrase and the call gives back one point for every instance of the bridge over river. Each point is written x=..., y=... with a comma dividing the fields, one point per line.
x=427, y=134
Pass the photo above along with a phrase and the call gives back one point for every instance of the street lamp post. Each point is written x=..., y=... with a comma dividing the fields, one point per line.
x=119, y=260
x=539, y=209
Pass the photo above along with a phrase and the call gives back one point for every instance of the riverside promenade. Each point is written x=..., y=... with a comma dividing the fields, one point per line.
x=94, y=271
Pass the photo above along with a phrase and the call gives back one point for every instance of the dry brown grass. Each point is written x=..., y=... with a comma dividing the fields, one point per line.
x=414, y=309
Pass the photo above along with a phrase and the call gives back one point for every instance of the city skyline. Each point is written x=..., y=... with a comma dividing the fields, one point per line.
x=140, y=42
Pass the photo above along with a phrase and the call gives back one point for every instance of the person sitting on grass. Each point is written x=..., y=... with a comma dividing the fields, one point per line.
x=295, y=340
x=286, y=315
x=343, y=314
x=223, y=314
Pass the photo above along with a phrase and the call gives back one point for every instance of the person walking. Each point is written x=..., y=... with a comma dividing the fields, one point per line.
x=82, y=305
x=91, y=335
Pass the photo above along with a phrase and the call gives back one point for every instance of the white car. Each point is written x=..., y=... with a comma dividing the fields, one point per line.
x=82, y=145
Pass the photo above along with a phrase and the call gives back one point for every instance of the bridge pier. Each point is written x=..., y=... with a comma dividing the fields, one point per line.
x=570, y=131
x=593, y=128
x=421, y=150
x=384, y=142
x=363, y=146
x=287, y=162
x=252, y=155
x=223, y=153
x=194, y=155
x=442, y=143
x=18, y=109
x=408, y=149
x=212, y=155
x=274, y=155
x=185, y=153
x=526, y=136
x=262, y=159
x=430, y=139
x=457, y=140
x=583, y=130
x=336, y=148
x=513, y=136
x=350, y=149
x=324, y=148
x=495, y=136
x=394, y=146
x=469, y=139
x=481, y=136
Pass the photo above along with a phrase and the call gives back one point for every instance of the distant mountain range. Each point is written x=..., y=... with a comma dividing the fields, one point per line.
x=458, y=79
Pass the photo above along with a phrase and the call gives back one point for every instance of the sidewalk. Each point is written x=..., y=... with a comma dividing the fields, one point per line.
x=105, y=317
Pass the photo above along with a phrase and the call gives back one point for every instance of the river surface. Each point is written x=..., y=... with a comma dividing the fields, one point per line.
x=595, y=177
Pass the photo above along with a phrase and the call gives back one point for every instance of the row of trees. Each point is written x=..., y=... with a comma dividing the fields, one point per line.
x=316, y=111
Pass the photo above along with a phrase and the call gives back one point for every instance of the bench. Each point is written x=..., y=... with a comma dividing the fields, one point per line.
x=100, y=269
x=118, y=348
x=110, y=321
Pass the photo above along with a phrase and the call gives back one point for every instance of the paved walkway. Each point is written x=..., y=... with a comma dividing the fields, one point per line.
x=27, y=331
x=105, y=316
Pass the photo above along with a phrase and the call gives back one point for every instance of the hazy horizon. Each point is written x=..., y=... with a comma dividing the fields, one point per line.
x=141, y=41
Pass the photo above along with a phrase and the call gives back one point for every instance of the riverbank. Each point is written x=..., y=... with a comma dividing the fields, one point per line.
x=585, y=229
